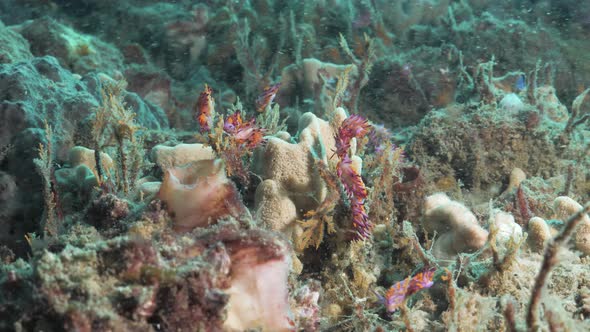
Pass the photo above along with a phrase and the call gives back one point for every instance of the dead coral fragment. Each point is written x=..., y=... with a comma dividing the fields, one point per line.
x=550, y=260
x=577, y=117
x=306, y=307
x=565, y=206
x=538, y=233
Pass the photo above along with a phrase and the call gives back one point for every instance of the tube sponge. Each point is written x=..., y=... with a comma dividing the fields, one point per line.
x=199, y=193
x=259, y=293
x=457, y=228
x=258, y=270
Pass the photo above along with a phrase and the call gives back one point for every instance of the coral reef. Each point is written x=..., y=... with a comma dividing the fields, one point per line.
x=265, y=165
x=214, y=264
x=14, y=46
x=77, y=52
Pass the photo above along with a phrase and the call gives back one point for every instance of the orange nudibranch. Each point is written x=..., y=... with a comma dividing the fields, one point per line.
x=204, y=109
x=267, y=97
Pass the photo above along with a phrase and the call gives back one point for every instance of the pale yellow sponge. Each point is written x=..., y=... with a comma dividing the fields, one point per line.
x=81, y=173
x=277, y=209
x=516, y=177
x=291, y=183
x=564, y=207
x=80, y=155
x=181, y=154
x=539, y=233
x=170, y=157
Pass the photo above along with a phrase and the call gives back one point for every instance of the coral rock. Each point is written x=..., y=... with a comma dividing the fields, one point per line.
x=549, y=104
x=457, y=228
x=13, y=47
x=307, y=76
x=511, y=103
x=8, y=207
x=78, y=52
x=8, y=192
x=107, y=211
x=481, y=148
x=153, y=86
x=149, y=189
x=306, y=307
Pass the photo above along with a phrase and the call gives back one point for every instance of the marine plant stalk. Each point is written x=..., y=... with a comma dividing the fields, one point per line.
x=549, y=260
x=99, y=170
x=509, y=318
x=123, y=162
x=406, y=317
x=44, y=166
